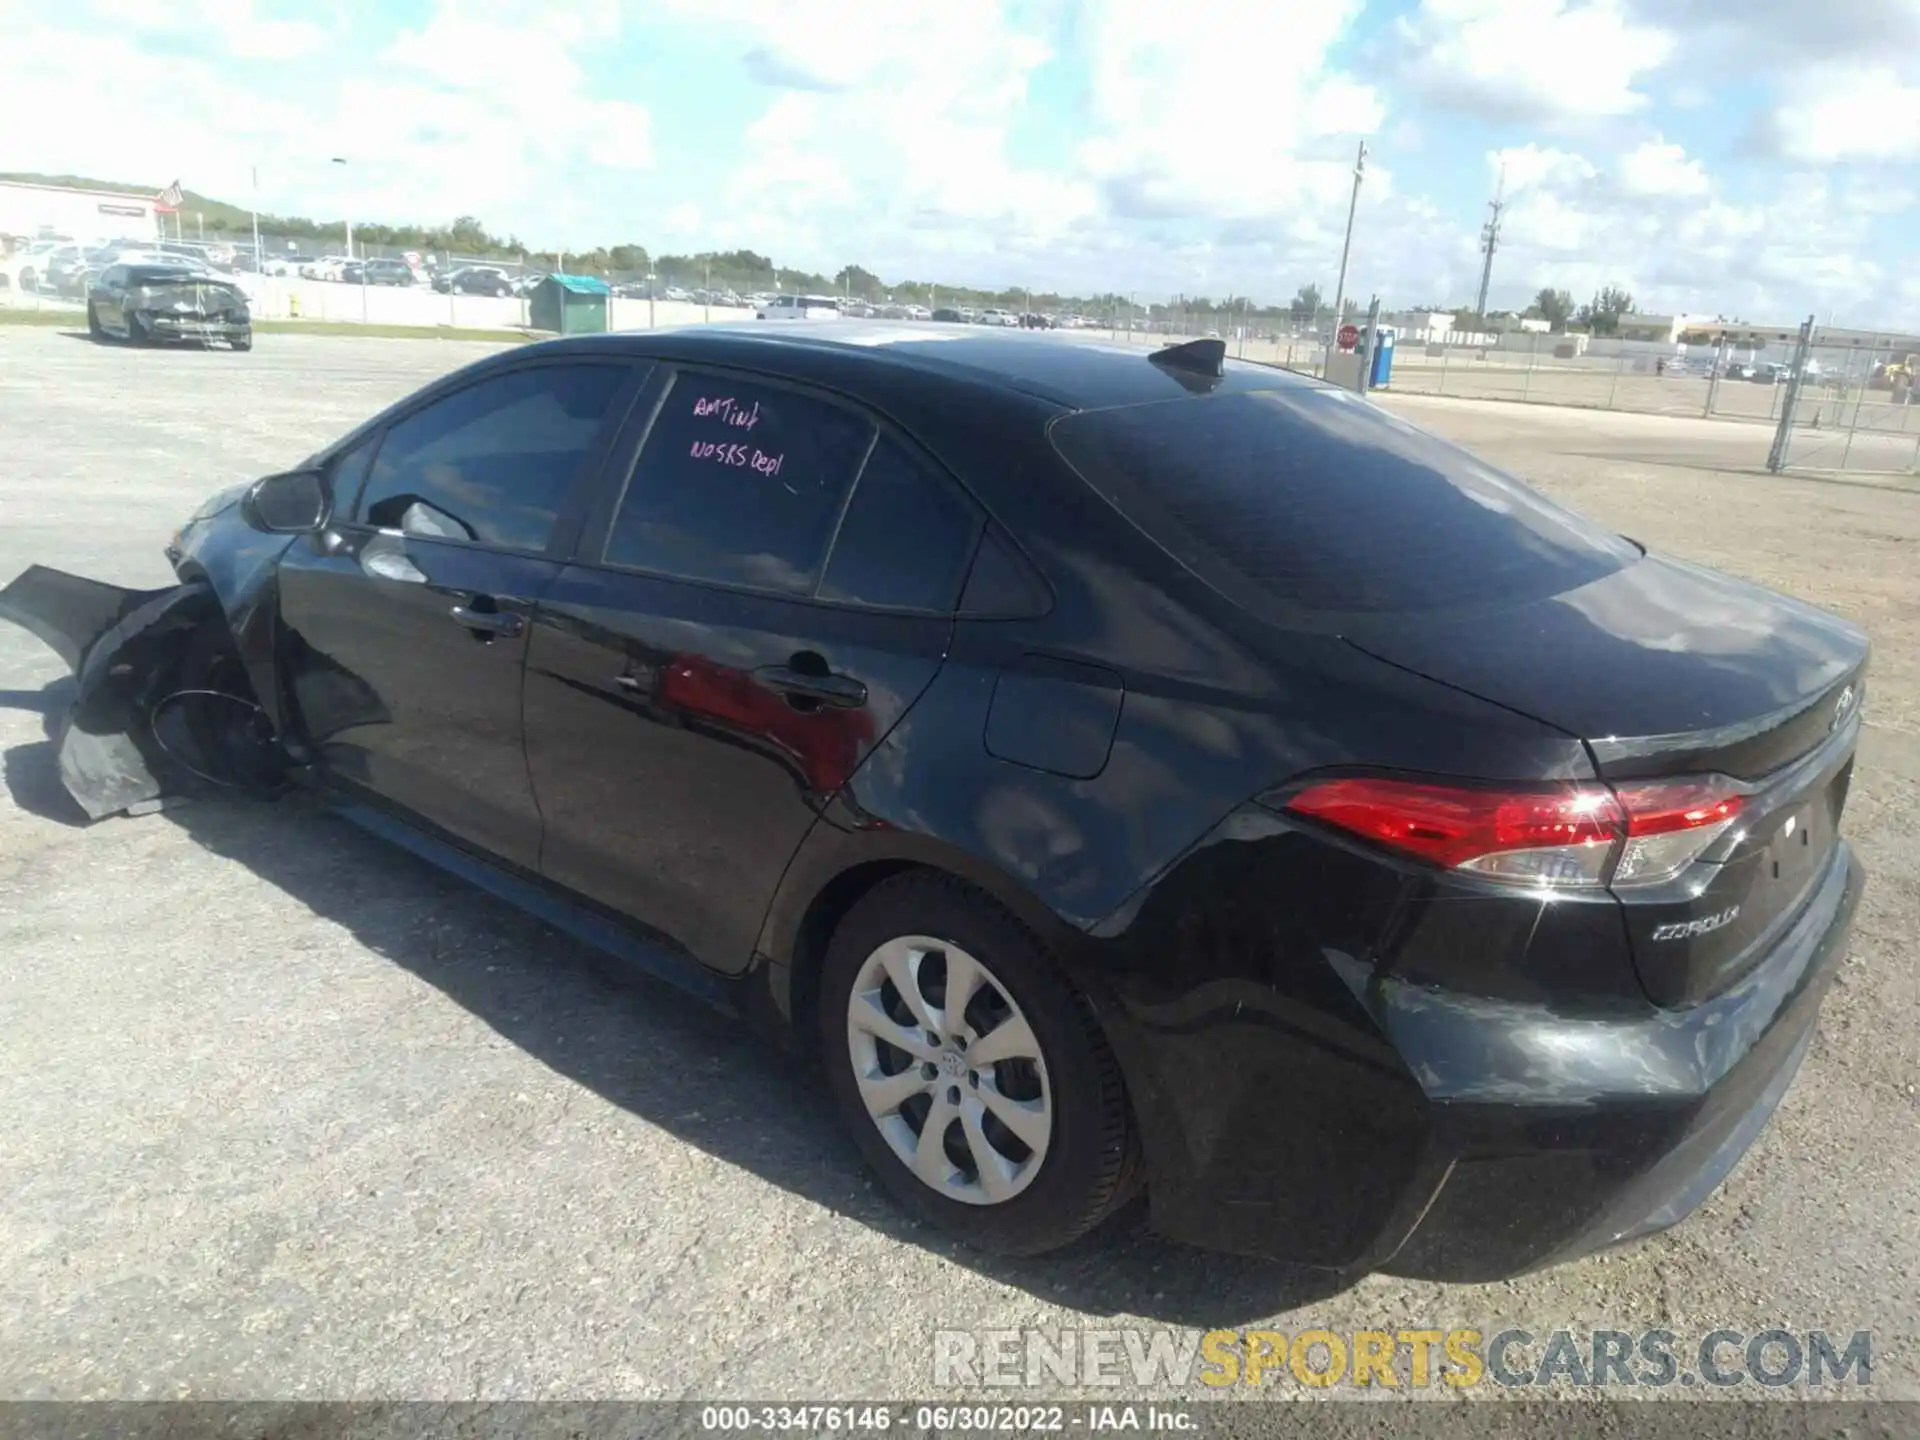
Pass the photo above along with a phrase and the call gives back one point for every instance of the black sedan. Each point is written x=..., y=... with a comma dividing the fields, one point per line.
x=1121, y=770
x=378, y=272
x=474, y=280
x=165, y=302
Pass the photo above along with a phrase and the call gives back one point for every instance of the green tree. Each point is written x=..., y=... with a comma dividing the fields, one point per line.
x=1601, y=315
x=1553, y=306
x=1306, y=305
x=858, y=282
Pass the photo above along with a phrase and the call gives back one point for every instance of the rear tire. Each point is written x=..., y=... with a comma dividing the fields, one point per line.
x=988, y=1185
x=93, y=324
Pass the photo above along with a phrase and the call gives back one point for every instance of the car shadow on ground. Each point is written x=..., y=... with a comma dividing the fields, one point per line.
x=649, y=1048
x=32, y=771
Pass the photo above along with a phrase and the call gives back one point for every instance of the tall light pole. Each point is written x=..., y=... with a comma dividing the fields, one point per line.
x=1490, y=241
x=1346, y=248
x=257, y=269
x=341, y=160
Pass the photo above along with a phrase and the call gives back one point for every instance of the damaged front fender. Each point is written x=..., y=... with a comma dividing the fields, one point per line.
x=69, y=613
x=162, y=705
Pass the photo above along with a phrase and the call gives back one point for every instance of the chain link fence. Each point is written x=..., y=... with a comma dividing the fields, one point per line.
x=1850, y=408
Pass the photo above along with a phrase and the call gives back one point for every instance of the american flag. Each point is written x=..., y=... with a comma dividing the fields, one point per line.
x=170, y=197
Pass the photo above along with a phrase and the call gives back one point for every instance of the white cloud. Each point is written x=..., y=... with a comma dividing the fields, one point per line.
x=1015, y=141
x=1531, y=59
x=1180, y=131
x=232, y=26
x=1832, y=113
x=1530, y=166
x=1652, y=220
x=1655, y=168
x=887, y=137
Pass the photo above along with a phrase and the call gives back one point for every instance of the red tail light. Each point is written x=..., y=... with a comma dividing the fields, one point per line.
x=1567, y=837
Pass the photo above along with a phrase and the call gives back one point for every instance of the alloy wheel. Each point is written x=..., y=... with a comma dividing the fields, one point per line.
x=949, y=1070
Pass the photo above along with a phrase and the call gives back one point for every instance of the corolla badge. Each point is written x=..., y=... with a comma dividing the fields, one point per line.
x=1842, y=707
x=1688, y=929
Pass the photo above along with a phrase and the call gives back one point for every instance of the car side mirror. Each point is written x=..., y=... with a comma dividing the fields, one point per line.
x=299, y=502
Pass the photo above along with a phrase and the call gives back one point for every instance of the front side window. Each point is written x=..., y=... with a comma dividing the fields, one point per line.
x=491, y=464
x=739, y=483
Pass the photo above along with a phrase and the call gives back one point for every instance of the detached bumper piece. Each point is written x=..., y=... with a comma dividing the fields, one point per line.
x=144, y=724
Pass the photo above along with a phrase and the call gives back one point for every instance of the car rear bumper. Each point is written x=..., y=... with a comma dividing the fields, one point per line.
x=1459, y=1138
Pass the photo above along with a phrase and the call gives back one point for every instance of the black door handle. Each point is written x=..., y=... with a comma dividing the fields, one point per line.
x=836, y=690
x=490, y=621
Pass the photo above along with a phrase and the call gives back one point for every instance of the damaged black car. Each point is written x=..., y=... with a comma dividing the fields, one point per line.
x=151, y=303
x=1125, y=772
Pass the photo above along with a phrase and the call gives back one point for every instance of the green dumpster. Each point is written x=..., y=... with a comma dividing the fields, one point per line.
x=570, y=305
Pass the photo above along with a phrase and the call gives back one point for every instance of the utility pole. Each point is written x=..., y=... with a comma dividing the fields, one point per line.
x=1490, y=241
x=341, y=160
x=1346, y=248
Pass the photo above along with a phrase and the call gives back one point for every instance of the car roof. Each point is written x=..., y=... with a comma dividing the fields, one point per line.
x=1077, y=372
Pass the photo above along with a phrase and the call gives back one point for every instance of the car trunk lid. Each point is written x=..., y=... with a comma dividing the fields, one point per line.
x=1669, y=671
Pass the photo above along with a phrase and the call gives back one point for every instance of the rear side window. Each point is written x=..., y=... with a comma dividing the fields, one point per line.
x=739, y=483
x=1311, y=500
x=492, y=463
x=906, y=539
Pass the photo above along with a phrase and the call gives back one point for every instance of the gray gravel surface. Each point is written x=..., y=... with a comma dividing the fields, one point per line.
x=286, y=1114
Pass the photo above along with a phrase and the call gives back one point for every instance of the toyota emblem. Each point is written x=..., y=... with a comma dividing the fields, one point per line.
x=1841, y=707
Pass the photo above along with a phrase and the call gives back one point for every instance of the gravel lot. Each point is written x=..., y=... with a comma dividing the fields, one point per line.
x=285, y=1114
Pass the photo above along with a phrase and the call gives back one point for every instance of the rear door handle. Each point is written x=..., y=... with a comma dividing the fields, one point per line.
x=490, y=621
x=839, y=691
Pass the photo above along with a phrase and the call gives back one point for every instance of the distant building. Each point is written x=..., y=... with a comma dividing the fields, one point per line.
x=70, y=213
x=1710, y=330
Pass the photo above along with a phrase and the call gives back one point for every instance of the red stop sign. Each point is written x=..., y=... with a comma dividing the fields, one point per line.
x=1349, y=336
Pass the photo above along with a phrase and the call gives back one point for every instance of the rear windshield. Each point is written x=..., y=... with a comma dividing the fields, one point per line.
x=1310, y=499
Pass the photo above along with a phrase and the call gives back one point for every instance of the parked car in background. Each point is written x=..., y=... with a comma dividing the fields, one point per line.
x=66, y=271
x=167, y=300
x=74, y=280
x=383, y=272
x=475, y=280
x=24, y=269
x=799, y=307
x=293, y=263
x=947, y=316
